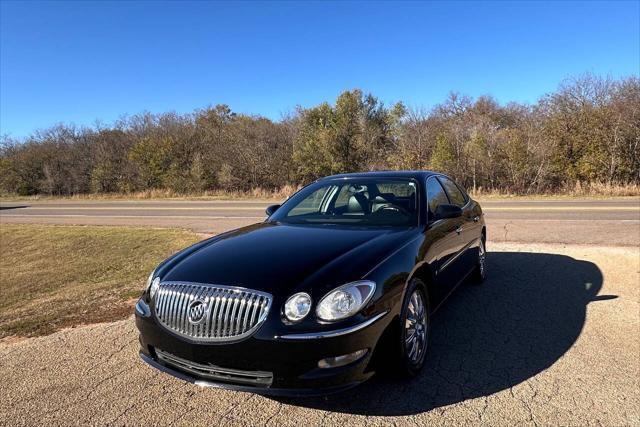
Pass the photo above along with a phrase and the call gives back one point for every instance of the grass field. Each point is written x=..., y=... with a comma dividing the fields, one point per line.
x=53, y=277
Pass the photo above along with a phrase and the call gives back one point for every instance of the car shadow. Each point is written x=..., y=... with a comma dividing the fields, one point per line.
x=487, y=338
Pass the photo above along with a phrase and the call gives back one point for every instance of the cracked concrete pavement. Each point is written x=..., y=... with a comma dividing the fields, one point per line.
x=551, y=338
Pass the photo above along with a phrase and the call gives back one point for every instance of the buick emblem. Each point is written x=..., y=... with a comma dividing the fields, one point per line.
x=196, y=312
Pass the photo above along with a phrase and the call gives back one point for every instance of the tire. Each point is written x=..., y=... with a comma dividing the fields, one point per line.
x=480, y=271
x=415, y=312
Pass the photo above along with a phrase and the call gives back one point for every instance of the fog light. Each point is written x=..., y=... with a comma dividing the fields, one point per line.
x=345, y=359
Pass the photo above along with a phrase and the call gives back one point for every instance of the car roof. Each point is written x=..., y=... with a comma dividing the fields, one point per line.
x=416, y=174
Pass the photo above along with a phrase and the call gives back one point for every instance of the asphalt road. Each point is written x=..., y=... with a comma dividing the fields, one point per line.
x=551, y=338
x=595, y=222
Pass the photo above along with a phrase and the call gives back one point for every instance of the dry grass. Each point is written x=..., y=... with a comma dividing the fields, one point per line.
x=600, y=189
x=53, y=277
x=578, y=190
x=155, y=194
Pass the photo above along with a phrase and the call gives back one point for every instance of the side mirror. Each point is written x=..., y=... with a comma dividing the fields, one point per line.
x=448, y=211
x=271, y=209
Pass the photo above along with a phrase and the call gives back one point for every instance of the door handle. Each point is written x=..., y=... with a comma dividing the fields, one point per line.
x=459, y=229
x=476, y=218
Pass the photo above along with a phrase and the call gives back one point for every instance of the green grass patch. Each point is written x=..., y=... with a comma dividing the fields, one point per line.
x=53, y=277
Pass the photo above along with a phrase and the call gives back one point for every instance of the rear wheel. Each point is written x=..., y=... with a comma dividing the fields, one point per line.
x=480, y=272
x=414, y=329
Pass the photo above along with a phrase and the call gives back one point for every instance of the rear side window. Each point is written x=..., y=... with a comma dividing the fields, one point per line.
x=435, y=196
x=454, y=193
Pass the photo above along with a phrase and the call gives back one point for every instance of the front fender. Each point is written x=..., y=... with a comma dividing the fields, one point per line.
x=393, y=274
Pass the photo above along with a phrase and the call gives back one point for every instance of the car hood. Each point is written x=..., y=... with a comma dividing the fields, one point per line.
x=278, y=258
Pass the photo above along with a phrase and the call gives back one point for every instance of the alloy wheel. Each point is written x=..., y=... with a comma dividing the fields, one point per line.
x=482, y=256
x=416, y=327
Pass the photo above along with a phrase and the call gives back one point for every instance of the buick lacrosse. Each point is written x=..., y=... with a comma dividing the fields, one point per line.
x=340, y=280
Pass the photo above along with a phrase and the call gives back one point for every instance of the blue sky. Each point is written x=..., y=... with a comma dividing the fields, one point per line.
x=77, y=62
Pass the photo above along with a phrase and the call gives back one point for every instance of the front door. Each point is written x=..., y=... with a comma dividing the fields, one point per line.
x=469, y=226
x=445, y=244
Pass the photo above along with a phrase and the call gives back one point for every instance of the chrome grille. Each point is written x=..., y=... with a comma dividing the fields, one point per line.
x=230, y=313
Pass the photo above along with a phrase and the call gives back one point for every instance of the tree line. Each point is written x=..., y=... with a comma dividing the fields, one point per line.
x=587, y=131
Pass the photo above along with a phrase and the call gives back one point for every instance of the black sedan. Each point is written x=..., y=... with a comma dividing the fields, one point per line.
x=346, y=273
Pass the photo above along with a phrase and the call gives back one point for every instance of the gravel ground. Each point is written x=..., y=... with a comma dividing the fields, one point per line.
x=551, y=338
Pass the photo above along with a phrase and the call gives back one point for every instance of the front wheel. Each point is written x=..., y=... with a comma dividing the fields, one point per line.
x=415, y=329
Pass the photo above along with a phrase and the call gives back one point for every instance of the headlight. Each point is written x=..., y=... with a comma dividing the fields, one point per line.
x=297, y=306
x=345, y=301
x=153, y=284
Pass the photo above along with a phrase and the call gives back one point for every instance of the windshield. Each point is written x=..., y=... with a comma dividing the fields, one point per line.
x=362, y=202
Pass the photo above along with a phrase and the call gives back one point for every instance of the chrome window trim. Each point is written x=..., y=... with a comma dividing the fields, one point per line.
x=334, y=333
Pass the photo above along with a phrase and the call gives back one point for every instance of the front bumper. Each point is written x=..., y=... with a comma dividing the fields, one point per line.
x=269, y=391
x=276, y=363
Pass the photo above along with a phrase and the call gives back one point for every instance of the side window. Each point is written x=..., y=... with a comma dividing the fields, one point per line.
x=342, y=200
x=311, y=204
x=454, y=193
x=397, y=189
x=435, y=196
x=464, y=193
